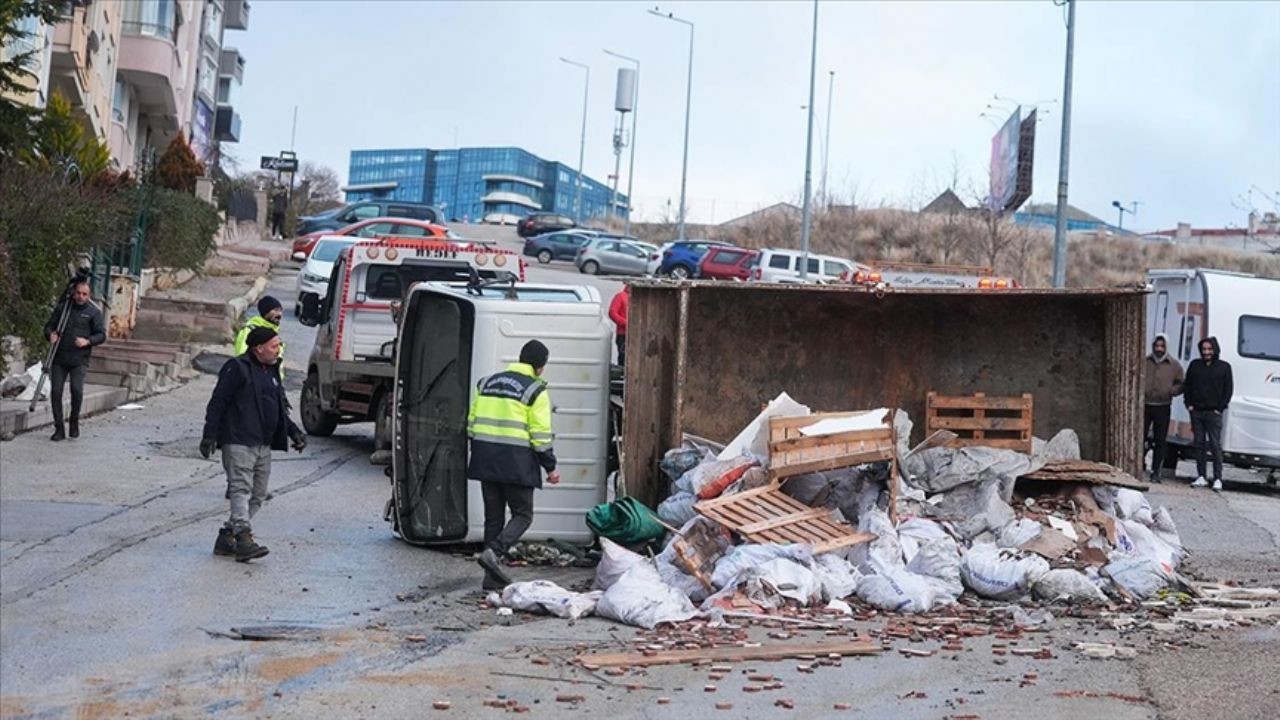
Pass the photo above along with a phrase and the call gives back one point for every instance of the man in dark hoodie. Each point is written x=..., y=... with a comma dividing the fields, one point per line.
x=1207, y=392
x=1161, y=381
x=248, y=418
x=84, y=329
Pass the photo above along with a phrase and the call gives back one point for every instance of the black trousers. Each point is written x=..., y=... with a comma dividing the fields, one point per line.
x=499, y=534
x=621, y=341
x=277, y=224
x=1155, y=422
x=58, y=374
x=1206, y=427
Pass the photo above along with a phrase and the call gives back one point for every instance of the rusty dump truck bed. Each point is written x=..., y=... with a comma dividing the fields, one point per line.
x=702, y=357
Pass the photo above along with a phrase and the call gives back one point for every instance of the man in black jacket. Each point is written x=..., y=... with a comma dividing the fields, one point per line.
x=83, y=330
x=248, y=418
x=1207, y=392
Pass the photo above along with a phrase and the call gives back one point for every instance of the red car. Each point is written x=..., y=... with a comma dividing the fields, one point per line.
x=727, y=263
x=400, y=227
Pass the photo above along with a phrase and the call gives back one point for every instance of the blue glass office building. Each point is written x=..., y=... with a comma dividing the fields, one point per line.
x=493, y=184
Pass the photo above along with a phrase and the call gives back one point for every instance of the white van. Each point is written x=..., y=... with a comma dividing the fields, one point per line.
x=451, y=336
x=783, y=266
x=1243, y=312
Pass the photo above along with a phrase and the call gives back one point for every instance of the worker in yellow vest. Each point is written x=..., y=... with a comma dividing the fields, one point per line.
x=270, y=313
x=510, y=430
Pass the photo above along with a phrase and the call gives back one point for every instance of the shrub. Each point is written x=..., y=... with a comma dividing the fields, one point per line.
x=180, y=231
x=178, y=168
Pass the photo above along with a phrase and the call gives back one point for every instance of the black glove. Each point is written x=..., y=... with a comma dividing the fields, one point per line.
x=207, y=446
x=299, y=441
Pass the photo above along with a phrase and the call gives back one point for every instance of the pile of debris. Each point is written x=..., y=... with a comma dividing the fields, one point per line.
x=835, y=515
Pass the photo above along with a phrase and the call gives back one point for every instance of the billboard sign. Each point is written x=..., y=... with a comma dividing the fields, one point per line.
x=1012, y=162
x=280, y=164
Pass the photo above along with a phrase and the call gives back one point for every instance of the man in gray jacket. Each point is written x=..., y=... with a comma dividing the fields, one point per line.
x=1161, y=381
x=84, y=330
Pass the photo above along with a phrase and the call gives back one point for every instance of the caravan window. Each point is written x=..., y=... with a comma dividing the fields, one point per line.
x=1259, y=337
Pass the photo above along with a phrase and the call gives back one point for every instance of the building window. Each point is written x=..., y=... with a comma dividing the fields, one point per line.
x=120, y=103
x=154, y=18
x=29, y=40
x=209, y=77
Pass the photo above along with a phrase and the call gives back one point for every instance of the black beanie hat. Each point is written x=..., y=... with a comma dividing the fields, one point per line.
x=259, y=335
x=267, y=304
x=534, y=354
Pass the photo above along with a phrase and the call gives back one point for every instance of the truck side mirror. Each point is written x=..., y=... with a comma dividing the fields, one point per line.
x=310, y=315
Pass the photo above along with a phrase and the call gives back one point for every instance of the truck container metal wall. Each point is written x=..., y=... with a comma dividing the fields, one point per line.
x=703, y=358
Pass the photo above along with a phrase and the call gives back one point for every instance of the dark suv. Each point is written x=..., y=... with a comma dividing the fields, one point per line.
x=539, y=223
x=365, y=209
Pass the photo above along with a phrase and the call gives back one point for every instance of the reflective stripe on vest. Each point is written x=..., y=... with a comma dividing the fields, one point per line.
x=501, y=411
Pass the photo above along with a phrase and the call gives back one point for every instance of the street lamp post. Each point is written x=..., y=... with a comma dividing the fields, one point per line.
x=807, y=220
x=688, y=100
x=1132, y=210
x=582, y=143
x=826, y=143
x=635, y=118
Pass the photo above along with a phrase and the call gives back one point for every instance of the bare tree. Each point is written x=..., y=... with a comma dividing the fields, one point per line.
x=323, y=188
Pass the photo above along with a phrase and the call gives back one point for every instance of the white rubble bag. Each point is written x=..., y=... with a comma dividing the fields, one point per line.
x=640, y=598
x=1000, y=574
x=882, y=553
x=897, y=590
x=771, y=584
x=1067, y=584
x=544, y=596
x=743, y=557
x=1142, y=577
x=1018, y=533
x=837, y=577
x=916, y=531
x=1131, y=504
x=615, y=561
x=938, y=562
x=1134, y=538
x=977, y=507
x=678, y=508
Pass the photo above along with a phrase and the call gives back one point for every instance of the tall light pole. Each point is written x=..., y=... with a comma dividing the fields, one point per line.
x=826, y=143
x=688, y=100
x=582, y=143
x=1132, y=210
x=808, y=154
x=1064, y=157
x=635, y=118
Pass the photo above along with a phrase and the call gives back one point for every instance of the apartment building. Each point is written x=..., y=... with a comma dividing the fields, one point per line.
x=35, y=87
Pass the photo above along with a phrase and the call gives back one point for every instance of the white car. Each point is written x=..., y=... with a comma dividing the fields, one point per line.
x=783, y=266
x=655, y=260
x=313, y=278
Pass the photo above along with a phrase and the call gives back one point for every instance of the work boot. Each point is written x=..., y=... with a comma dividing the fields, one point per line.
x=492, y=583
x=1217, y=485
x=59, y=433
x=1200, y=482
x=492, y=568
x=226, y=543
x=74, y=427
x=247, y=549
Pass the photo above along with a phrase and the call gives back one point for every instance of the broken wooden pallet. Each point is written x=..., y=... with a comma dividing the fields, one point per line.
x=727, y=654
x=766, y=515
x=1085, y=471
x=1000, y=422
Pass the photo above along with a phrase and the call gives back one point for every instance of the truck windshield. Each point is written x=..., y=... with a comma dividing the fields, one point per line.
x=389, y=282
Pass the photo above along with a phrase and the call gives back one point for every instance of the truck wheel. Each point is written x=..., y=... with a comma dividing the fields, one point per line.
x=314, y=418
x=680, y=272
x=382, y=422
x=591, y=267
x=544, y=256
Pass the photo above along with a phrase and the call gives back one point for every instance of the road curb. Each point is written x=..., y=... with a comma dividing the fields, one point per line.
x=237, y=305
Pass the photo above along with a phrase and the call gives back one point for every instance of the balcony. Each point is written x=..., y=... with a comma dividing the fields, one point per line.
x=149, y=63
x=231, y=64
x=226, y=126
x=236, y=15
x=494, y=198
x=514, y=179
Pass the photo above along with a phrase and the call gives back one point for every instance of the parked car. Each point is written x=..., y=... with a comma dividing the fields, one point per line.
x=313, y=278
x=727, y=263
x=371, y=228
x=539, y=223
x=655, y=259
x=681, y=259
x=613, y=255
x=367, y=210
x=783, y=266
x=556, y=245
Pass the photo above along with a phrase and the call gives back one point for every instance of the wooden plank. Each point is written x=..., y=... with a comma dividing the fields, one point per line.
x=727, y=654
x=1006, y=443
x=784, y=520
x=946, y=402
x=795, y=422
x=871, y=437
x=735, y=498
x=844, y=541
x=832, y=463
x=980, y=423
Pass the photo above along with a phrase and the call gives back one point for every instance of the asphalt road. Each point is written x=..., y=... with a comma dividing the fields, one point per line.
x=111, y=604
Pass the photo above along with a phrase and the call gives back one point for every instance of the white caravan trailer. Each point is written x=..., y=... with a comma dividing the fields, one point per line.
x=1243, y=312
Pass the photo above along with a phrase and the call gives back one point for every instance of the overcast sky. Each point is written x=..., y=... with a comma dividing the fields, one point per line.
x=1176, y=104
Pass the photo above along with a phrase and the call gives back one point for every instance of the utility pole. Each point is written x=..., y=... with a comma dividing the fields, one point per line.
x=826, y=143
x=807, y=217
x=688, y=101
x=1064, y=157
x=582, y=143
x=635, y=118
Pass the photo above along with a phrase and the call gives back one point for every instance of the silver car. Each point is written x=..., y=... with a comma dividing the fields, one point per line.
x=613, y=255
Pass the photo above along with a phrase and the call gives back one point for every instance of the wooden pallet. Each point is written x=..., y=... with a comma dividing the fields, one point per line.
x=1000, y=422
x=792, y=453
x=766, y=515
